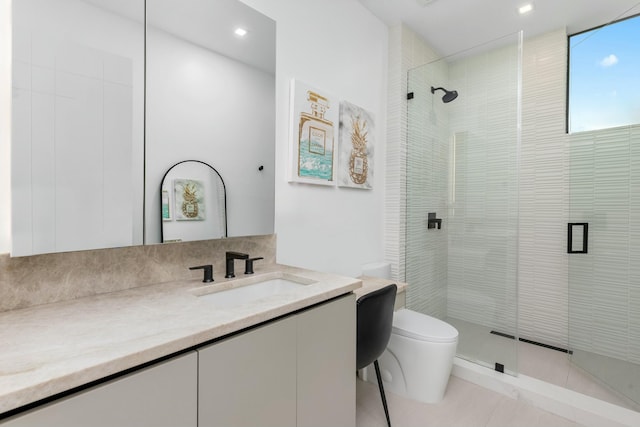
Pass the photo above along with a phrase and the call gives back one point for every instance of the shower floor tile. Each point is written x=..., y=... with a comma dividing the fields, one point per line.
x=477, y=344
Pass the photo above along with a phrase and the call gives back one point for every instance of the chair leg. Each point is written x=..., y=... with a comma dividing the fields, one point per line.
x=384, y=399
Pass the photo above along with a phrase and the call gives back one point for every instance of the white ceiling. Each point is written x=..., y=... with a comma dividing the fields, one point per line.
x=451, y=26
x=209, y=24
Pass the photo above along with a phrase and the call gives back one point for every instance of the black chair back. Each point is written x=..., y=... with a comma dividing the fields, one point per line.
x=375, y=320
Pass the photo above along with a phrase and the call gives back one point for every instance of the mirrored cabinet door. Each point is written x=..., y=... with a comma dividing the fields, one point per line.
x=77, y=125
x=211, y=97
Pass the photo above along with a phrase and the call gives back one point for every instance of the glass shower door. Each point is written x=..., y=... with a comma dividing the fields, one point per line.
x=462, y=197
x=604, y=277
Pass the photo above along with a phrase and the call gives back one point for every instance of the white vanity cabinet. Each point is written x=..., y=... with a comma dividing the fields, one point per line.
x=326, y=379
x=161, y=395
x=250, y=378
x=297, y=371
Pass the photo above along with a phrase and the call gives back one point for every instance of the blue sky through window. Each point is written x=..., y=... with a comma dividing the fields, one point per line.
x=604, y=77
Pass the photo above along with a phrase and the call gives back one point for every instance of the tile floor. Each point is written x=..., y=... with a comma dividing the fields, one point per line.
x=476, y=343
x=464, y=404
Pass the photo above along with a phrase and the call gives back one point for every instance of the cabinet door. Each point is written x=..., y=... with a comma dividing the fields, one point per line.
x=327, y=364
x=160, y=395
x=250, y=379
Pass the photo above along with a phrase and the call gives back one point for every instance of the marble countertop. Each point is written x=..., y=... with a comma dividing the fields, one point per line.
x=52, y=348
x=370, y=284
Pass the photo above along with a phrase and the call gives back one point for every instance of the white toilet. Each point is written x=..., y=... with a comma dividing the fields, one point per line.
x=418, y=360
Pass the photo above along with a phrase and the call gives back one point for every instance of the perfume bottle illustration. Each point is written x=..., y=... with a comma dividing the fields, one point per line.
x=315, y=153
x=358, y=162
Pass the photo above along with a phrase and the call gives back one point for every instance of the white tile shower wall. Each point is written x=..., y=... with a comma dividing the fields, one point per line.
x=406, y=50
x=395, y=174
x=634, y=249
x=427, y=184
x=604, y=309
x=543, y=291
x=483, y=194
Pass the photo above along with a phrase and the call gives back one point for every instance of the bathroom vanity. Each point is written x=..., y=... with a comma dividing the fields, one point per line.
x=166, y=355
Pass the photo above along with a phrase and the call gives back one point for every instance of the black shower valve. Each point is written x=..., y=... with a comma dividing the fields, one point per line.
x=432, y=221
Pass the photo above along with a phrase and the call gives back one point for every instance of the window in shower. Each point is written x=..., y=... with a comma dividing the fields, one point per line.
x=604, y=88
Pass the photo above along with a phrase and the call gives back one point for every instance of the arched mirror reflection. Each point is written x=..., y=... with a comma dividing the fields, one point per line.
x=193, y=203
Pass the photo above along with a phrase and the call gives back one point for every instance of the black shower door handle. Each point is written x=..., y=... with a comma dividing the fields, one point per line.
x=579, y=244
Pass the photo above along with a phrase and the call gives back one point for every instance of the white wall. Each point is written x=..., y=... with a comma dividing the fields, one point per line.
x=5, y=126
x=340, y=47
x=205, y=106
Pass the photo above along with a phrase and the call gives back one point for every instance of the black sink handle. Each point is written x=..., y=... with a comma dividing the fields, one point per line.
x=248, y=265
x=208, y=272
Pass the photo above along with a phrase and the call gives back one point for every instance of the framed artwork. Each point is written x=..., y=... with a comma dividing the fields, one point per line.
x=356, y=147
x=314, y=121
x=189, y=198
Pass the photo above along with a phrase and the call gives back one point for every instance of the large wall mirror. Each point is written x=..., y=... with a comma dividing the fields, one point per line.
x=92, y=134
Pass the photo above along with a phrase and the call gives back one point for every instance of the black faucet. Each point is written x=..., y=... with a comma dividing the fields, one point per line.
x=208, y=272
x=230, y=258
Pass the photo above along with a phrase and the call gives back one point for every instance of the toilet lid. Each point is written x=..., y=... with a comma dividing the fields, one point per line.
x=412, y=324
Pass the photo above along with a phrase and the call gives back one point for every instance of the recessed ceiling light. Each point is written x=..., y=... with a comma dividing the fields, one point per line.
x=525, y=8
x=240, y=32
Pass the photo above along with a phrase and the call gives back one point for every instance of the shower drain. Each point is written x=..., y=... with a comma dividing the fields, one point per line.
x=551, y=347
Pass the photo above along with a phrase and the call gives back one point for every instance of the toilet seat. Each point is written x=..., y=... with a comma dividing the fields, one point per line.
x=418, y=326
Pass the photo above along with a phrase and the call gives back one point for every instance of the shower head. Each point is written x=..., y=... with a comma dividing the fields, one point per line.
x=449, y=95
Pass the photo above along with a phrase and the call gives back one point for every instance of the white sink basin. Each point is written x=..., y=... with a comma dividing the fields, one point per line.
x=247, y=290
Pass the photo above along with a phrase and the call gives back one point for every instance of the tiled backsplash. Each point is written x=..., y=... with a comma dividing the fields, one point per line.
x=43, y=279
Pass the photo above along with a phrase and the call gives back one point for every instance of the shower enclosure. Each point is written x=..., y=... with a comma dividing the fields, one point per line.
x=462, y=221
x=462, y=197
